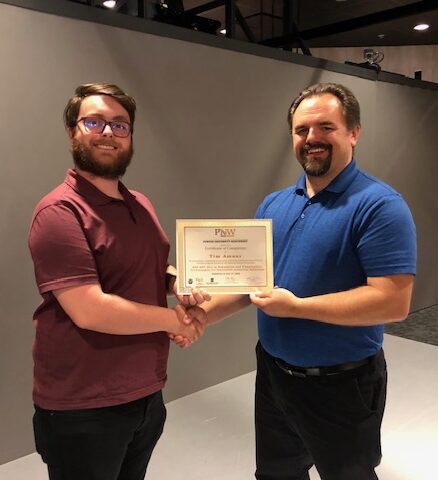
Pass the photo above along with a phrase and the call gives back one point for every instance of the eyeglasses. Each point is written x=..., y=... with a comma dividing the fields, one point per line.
x=98, y=125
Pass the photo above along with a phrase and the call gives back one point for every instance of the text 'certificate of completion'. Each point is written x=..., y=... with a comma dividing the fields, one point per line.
x=224, y=256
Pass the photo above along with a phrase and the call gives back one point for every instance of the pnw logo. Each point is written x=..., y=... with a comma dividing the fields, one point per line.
x=224, y=232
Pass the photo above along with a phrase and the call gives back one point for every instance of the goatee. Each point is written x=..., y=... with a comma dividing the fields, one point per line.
x=84, y=159
x=313, y=167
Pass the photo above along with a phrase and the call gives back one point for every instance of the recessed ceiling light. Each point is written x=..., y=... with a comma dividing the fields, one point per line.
x=109, y=3
x=421, y=26
x=381, y=36
x=223, y=31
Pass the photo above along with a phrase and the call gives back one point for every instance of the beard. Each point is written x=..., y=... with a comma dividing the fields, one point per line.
x=313, y=167
x=85, y=160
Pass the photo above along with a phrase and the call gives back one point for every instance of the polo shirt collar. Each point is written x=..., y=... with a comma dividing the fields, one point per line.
x=338, y=185
x=87, y=190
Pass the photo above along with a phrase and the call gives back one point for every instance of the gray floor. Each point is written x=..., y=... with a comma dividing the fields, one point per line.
x=421, y=326
x=209, y=434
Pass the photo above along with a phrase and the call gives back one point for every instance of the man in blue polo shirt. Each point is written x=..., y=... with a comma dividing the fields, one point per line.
x=344, y=261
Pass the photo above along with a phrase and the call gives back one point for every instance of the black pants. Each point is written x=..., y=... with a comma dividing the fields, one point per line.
x=332, y=422
x=110, y=443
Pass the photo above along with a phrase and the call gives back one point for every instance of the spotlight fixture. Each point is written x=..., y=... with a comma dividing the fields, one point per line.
x=173, y=12
x=109, y=3
x=223, y=31
x=372, y=60
x=372, y=57
x=421, y=26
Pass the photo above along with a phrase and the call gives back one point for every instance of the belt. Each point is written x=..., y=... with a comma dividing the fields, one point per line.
x=321, y=371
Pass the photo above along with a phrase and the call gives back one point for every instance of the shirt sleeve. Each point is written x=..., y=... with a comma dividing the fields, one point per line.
x=261, y=210
x=386, y=236
x=60, y=251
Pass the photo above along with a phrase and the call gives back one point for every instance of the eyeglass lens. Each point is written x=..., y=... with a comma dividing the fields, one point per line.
x=97, y=125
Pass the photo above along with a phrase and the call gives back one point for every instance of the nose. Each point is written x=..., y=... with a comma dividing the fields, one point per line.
x=107, y=130
x=312, y=135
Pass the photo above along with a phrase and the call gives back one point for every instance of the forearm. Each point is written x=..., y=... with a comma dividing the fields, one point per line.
x=223, y=306
x=123, y=317
x=356, y=307
x=92, y=309
x=381, y=300
x=361, y=306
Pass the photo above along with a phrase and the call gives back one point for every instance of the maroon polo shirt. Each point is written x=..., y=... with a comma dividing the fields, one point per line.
x=81, y=236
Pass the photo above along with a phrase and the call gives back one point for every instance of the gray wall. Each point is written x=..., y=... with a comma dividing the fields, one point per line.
x=211, y=140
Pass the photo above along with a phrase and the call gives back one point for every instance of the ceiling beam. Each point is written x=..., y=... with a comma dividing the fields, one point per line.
x=354, y=23
x=244, y=25
x=230, y=18
x=206, y=7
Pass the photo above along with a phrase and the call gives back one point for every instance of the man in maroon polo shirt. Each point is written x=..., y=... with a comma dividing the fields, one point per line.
x=101, y=346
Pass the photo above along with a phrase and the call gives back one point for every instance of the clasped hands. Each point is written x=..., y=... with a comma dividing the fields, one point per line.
x=192, y=318
x=278, y=302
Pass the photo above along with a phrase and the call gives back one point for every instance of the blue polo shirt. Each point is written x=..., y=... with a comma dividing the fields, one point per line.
x=357, y=227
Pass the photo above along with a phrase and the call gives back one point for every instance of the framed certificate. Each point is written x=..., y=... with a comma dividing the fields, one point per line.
x=224, y=256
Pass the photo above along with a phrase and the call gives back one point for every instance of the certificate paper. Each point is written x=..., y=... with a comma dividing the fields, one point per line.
x=224, y=256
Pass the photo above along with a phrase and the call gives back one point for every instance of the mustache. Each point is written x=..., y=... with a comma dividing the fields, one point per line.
x=309, y=146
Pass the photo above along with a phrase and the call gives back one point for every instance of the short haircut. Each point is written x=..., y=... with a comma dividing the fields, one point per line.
x=350, y=105
x=71, y=111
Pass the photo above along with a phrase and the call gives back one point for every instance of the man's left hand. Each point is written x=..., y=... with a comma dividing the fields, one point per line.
x=277, y=302
x=197, y=297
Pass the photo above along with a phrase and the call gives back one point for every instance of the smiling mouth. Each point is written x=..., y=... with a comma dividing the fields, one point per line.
x=315, y=149
x=102, y=146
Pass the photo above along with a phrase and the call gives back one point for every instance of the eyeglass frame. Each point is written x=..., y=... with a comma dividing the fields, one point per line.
x=105, y=123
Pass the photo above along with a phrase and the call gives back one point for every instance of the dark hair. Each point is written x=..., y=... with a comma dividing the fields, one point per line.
x=350, y=105
x=71, y=111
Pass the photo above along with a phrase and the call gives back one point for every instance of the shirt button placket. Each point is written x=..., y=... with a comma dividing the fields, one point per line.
x=309, y=202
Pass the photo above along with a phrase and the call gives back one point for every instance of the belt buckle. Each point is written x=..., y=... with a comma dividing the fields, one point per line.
x=289, y=371
x=294, y=373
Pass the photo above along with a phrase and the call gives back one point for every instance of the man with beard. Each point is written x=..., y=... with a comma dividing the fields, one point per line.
x=344, y=261
x=101, y=345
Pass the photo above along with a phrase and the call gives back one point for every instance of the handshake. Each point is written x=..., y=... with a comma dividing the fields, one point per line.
x=192, y=319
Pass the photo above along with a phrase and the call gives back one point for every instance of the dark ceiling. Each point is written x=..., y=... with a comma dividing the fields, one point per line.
x=298, y=23
x=394, y=19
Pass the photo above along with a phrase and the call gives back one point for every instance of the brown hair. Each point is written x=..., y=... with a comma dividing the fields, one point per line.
x=350, y=105
x=71, y=111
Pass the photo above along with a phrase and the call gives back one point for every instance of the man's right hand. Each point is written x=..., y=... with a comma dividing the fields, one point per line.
x=193, y=323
